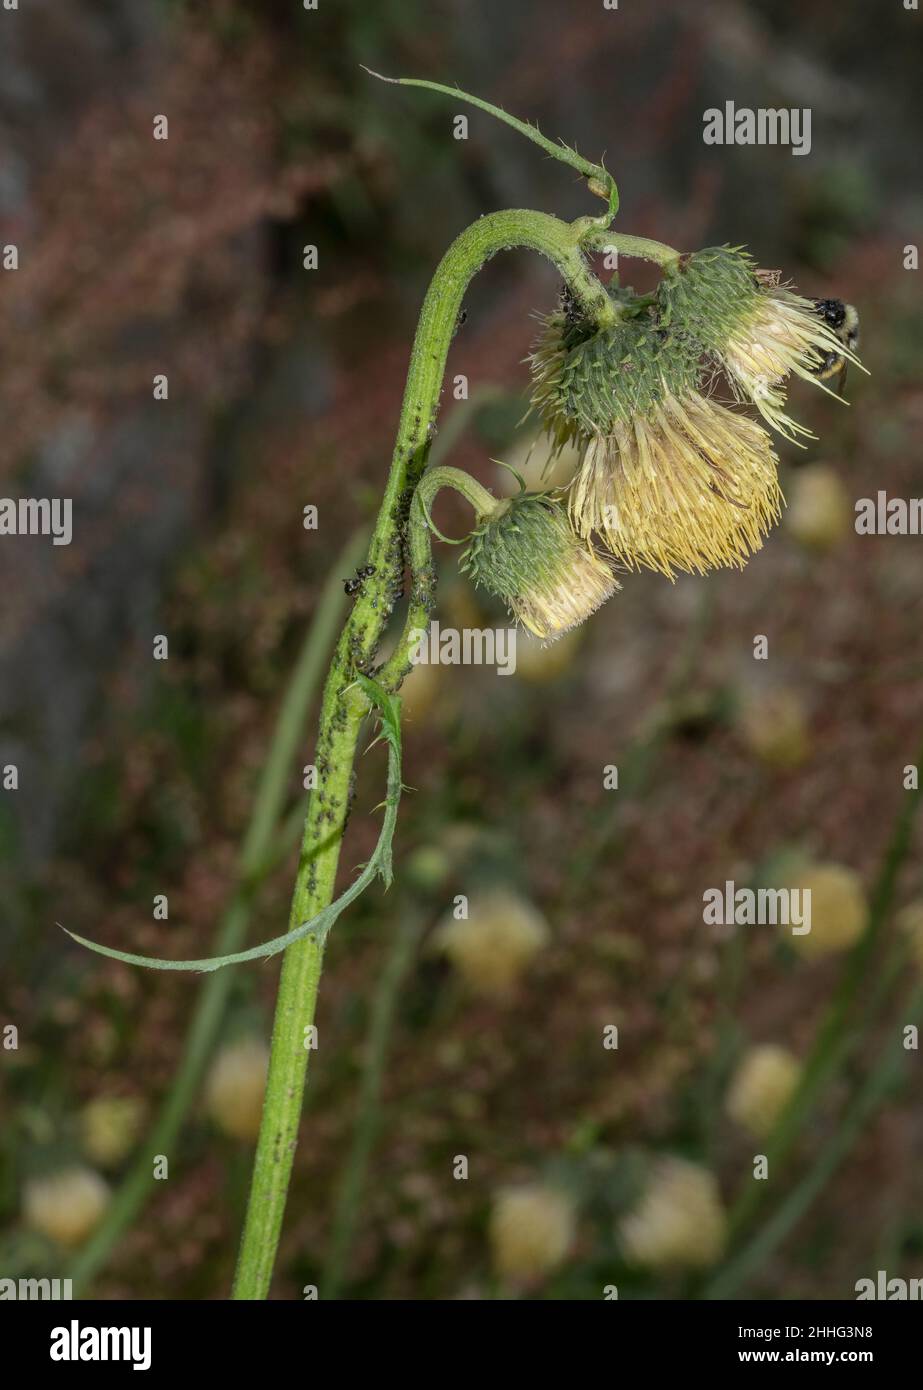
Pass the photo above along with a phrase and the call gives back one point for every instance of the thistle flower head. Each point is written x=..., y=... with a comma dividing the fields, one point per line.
x=669, y=480
x=759, y=331
x=587, y=381
x=526, y=552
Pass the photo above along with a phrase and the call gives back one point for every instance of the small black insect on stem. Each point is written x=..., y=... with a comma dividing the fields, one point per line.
x=354, y=586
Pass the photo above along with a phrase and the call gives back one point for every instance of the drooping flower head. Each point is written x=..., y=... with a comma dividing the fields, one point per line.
x=526, y=552
x=669, y=479
x=758, y=330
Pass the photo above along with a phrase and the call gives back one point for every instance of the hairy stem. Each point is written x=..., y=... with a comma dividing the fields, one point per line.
x=344, y=705
x=639, y=247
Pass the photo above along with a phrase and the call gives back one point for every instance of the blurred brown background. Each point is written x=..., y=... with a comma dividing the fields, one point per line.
x=137, y=777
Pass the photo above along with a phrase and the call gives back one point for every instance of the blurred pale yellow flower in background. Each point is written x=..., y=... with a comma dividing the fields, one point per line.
x=109, y=1126
x=420, y=690
x=839, y=909
x=539, y=464
x=680, y=1221
x=773, y=725
x=540, y=662
x=459, y=606
x=531, y=1232
x=820, y=511
x=492, y=948
x=67, y=1205
x=235, y=1085
x=761, y=1087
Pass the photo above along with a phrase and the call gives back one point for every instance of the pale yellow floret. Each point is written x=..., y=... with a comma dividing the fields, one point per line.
x=552, y=608
x=783, y=334
x=692, y=487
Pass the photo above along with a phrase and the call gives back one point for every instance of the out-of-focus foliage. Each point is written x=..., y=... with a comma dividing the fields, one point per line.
x=185, y=257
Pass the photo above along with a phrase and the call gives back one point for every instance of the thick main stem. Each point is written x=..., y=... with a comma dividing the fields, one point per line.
x=344, y=706
x=301, y=969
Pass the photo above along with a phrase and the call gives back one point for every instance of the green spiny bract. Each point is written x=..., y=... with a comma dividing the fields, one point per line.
x=586, y=381
x=526, y=553
x=713, y=289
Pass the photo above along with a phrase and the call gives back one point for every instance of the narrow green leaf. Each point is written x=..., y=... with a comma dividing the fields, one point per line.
x=567, y=155
x=389, y=709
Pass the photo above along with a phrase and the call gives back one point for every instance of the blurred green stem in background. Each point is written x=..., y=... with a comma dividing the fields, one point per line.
x=836, y=1039
x=344, y=706
x=368, y=1114
x=262, y=848
x=639, y=759
x=878, y=1085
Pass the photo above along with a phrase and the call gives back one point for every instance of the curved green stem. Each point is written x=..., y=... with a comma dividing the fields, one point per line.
x=640, y=247
x=344, y=704
x=435, y=479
